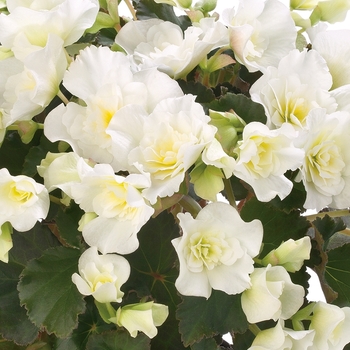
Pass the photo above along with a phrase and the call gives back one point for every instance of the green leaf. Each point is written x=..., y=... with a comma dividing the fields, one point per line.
x=14, y=322
x=337, y=274
x=118, y=340
x=90, y=323
x=67, y=224
x=248, y=110
x=327, y=227
x=13, y=152
x=278, y=225
x=7, y=345
x=200, y=317
x=153, y=274
x=36, y=154
x=205, y=344
x=204, y=94
x=48, y=293
x=146, y=9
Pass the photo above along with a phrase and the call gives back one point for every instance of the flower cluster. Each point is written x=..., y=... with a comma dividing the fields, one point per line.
x=126, y=121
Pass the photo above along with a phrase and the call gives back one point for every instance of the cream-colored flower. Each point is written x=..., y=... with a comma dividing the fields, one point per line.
x=263, y=156
x=22, y=201
x=261, y=32
x=325, y=171
x=298, y=85
x=290, y=254
x=141, y=317
x=331, y=325
x=272, y=295
x=216, y=251
x=101, y=275
x=173, y=137
x=162, y=44
x=281, y=338
x=119, y=205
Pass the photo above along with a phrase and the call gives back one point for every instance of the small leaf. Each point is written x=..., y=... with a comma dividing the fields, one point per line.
x=146, y=9
x=118, y=340
x=90, y=323
x=337, y=274
x=248, y=110
x=200, y=317
x=48, y=293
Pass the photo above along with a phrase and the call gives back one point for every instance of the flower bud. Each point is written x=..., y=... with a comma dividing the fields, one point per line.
x=229, y=125
x=206, y=5
x=26, y=130
x=330, y=11
x=290, y=254
x=143, y=317
x=5, y=241
x=303, y=4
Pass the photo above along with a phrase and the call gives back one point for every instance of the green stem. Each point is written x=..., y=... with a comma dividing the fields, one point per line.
x=55, y=200
x=40, y=126
x=254, y=329
x=332, y=214
x=131, y=9
x=229, y=193
x=190, y=205
x=62, y=97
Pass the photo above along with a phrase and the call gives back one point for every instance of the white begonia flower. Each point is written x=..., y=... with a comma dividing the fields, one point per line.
x=173, y=137
x=290, y=254
x=261, y=32
x=22, y=201
x=141, y=317
x=62, y=170
x=162, y=44
x=326, y=167
x=29, y=91
x=120, y=207
x=272, y=295
x=29, y=24
x=216, y=251
x=334, y=47
x=5, y=241
x=342, y=96
x=117, y=101
x=331, y=324
x=101, y=275
x=298, y=85
x=264, y=156
x=280, y=338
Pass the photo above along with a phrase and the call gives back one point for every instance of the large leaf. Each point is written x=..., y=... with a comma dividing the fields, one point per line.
x=337, y=274
x=14, y=322
x=146, y=9
x=200, y=317
x=153, y=274
x=48, y=293
x=90, y=322
x=118, y=340
x=202, y=93
x=278, y=225
x=248, y=110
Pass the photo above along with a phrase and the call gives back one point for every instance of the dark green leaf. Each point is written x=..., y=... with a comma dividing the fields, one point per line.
x=220, y=314
x=90, y=323
x=337, y=273
x=205, y=344
x=67, y=223
x=153, y=274
x=13, y=152
x=118, y=340
x=278, y=225
x=146, y=9
x=7, y=345
x=48, y=293
x=248, y=110
x=36, y=154
x=14, y=322
x=204, y=94
x=327, y=227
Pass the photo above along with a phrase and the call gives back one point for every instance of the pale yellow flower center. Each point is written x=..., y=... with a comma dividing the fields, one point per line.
x=18, y=195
